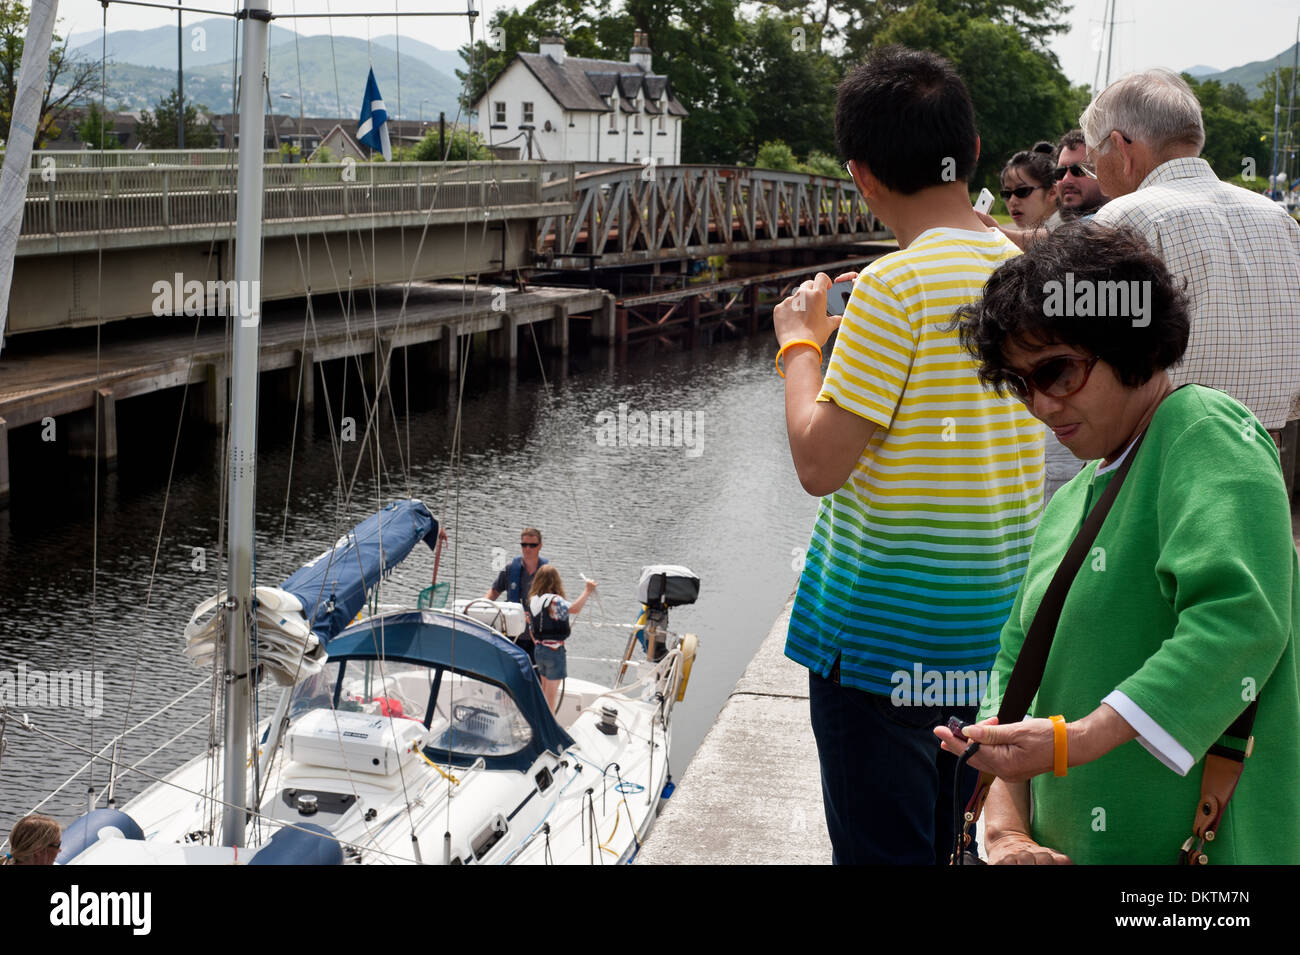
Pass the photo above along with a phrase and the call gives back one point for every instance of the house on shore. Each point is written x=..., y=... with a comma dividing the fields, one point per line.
x=553, y=106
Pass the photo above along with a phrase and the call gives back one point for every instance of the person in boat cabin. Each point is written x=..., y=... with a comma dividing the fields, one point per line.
x=516, y=578
x=549, y=611
x=34, y=840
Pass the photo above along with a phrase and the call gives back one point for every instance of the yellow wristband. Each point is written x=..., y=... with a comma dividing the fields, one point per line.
x=1060, y=760
x=798, y=341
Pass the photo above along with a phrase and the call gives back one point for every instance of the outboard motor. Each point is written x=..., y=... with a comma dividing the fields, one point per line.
x=663, y=586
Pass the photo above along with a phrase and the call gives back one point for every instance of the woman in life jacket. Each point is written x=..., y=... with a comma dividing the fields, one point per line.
x=549, y=611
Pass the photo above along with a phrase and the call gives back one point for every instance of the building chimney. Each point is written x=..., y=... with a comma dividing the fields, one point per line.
x=640, y=52
x=552, y=46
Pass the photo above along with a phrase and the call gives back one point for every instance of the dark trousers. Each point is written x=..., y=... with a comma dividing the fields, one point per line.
x=886, y=783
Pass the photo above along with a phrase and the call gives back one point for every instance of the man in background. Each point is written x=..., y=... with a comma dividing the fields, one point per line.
x=1238, y=252
x=516, y=578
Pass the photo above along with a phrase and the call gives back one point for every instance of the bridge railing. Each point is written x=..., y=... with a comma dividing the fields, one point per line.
x=112, y=158
x=78, y=201
x=629, y=214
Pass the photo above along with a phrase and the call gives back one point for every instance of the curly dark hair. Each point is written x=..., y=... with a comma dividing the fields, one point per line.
x=1021, y=300
x=1038, y=161
x=907, y=116
x=1071, y=140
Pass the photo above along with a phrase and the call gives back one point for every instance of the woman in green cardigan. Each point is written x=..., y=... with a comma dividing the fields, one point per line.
x=1188, y=603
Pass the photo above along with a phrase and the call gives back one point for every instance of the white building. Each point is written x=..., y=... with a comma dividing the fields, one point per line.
x=584, y=110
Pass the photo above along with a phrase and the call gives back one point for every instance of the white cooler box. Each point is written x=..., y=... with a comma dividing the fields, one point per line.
x=357, y=742
x=501, y=615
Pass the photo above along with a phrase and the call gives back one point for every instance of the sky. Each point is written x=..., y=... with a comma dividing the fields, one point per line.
x=1172, y=33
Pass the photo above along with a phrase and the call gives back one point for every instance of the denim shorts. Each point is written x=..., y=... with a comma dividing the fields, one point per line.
x=551, y=663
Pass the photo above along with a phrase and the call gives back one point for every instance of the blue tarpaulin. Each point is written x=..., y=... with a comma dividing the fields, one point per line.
x=333, y=586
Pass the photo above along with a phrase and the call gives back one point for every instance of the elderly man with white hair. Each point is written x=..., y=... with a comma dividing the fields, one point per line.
x=1239, y=252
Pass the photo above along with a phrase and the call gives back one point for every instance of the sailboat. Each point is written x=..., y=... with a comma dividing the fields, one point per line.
x=403, y=734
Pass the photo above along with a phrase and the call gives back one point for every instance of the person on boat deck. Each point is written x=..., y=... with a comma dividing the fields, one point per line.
x=549, y=611
x=516, y=579
x=34, y=840
x=1186, y=606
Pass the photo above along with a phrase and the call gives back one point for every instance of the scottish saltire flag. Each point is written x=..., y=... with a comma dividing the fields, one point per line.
x=372, y=129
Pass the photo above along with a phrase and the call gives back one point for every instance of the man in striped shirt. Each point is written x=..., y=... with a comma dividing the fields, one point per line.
x=930, y=484
x=1239, y=252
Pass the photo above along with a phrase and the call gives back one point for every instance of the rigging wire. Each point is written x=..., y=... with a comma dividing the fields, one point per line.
x=99, y=324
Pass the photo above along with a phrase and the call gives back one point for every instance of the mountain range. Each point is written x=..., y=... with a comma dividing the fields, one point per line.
x=142, y=70
x=1251, y=75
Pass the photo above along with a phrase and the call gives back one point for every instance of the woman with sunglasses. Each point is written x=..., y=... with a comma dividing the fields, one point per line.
x=1186, y=606
x=34, y=840
x=1030, y=192
x=1028, y=188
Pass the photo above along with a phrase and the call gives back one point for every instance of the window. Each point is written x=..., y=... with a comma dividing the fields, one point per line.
x=499, y=112
x=638, y=122
x=528, y=112
x=613, y=121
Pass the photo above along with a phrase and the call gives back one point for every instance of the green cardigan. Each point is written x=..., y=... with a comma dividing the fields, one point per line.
x=1188, y=602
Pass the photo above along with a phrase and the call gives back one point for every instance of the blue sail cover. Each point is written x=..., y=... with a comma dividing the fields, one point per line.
x=333, y=586
x=438, y=638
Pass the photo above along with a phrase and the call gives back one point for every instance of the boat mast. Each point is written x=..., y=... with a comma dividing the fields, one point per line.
x=239, y=681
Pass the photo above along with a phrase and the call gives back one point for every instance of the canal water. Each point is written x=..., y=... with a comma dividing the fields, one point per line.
x=543, y=448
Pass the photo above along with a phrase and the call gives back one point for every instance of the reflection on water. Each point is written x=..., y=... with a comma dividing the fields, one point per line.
x=574, y=460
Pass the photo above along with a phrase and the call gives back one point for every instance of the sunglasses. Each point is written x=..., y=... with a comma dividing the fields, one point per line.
x=1057, y=377
x=1020, y=192
x=1078, y=170
x=529, y=544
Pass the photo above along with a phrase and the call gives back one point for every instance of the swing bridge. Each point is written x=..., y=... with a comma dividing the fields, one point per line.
x=138, y=245
x=96, y=238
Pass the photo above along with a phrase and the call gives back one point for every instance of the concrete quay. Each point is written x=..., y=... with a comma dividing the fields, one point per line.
x=752, y=794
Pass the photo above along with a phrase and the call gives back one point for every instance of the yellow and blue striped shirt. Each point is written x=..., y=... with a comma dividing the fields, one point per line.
x=918, y=557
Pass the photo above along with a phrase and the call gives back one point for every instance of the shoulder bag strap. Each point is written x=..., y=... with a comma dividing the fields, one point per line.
x=1027, y=673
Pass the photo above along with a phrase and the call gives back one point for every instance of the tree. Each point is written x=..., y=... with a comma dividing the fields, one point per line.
x=788, y=84
x=461, y=145
x=94, y=132
x=1018, y=92
x=73, y=77
x=1036, y=21
x=1235, y=142
x=1288, y=138
x=157, y=130
x=777, y=155
x=510, y=32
